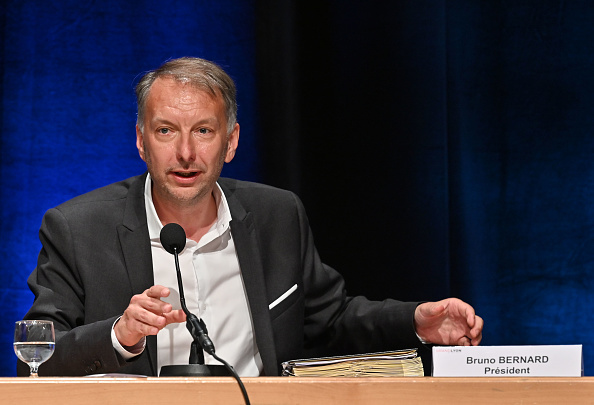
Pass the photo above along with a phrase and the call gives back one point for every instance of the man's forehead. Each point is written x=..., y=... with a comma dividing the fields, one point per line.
x=184, y=84
x=171, y=91
x=171, y=99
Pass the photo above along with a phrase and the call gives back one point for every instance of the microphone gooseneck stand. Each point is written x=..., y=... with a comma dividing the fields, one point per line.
x=201, y=342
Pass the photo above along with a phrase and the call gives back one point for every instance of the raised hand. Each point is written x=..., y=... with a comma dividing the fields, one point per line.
x=146, y=315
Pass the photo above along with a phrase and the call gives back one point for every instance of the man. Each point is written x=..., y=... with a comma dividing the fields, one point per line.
x=250, y=268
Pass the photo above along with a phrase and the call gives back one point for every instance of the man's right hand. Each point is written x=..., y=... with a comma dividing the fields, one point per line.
x=146, y=315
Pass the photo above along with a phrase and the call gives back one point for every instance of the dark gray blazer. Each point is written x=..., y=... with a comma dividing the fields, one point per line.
x=96, y=255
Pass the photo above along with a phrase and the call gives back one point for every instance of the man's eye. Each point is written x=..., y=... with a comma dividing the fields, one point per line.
x=203, y=131
x=164, y=131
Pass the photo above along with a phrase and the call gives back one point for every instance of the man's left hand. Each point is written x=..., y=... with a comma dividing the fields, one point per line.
x=449, y=322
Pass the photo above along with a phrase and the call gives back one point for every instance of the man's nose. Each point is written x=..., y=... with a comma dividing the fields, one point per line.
x=186, y=148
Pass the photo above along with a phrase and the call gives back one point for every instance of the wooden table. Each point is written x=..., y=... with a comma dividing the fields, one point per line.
x=297, y=390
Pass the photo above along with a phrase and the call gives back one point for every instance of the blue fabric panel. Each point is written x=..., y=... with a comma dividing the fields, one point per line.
x=68, y=108
x=520, y=113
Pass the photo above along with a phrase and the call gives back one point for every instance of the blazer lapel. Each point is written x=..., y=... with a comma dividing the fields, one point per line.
x=248, y=253
x=136, y=248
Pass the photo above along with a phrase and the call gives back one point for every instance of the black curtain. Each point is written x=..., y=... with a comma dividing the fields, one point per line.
x=442, y=148
x=364, y=142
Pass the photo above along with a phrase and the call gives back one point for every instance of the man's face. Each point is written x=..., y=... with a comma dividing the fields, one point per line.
x=184, y=142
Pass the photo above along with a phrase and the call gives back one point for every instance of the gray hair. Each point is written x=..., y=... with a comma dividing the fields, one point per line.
x=200, y=73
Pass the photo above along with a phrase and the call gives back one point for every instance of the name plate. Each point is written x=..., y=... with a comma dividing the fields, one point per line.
x=508, y=361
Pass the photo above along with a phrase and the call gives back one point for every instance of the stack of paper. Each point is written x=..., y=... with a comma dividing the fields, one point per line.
x=400, y=363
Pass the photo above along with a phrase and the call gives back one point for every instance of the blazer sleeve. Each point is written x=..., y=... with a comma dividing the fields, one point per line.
x=60, y=297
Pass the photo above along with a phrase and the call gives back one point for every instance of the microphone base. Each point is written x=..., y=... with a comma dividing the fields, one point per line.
x=194, y=370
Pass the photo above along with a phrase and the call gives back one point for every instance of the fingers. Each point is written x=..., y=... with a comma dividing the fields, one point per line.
x=151, y=300
x=476, y=332
x=176, y=316
x=474, y=322
x=145, y=315
x=470, y=315
x=475, y=325
x=157, y=291
x=468, y=341
x=464, y=341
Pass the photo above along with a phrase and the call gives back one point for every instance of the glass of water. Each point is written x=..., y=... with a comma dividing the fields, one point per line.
x=34, y=342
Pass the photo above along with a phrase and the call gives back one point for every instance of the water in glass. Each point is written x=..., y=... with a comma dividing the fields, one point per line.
x=34, y=342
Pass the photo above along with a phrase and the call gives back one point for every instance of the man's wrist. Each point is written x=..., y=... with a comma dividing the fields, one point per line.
x=127, y=352
x=423, y=341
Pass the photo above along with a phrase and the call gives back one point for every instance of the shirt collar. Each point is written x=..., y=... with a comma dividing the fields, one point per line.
x=155, y=225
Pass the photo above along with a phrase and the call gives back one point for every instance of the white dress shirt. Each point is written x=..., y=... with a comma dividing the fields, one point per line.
x=213, y=289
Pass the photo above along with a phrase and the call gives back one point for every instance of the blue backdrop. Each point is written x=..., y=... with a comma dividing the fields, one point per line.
x=68, y=108
x=441, y=147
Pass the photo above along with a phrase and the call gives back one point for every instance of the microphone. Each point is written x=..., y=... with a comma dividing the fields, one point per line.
x=173, y=239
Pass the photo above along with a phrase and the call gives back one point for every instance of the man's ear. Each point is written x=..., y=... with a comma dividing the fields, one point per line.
x=140, y=143
x=232, y=142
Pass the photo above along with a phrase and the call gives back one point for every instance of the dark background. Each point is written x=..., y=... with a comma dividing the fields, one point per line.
x=442, y=148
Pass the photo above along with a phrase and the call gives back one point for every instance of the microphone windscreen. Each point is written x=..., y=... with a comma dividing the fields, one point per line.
x=173, y=237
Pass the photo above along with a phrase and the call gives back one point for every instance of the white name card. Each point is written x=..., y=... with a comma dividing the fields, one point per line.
x=508, y=361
